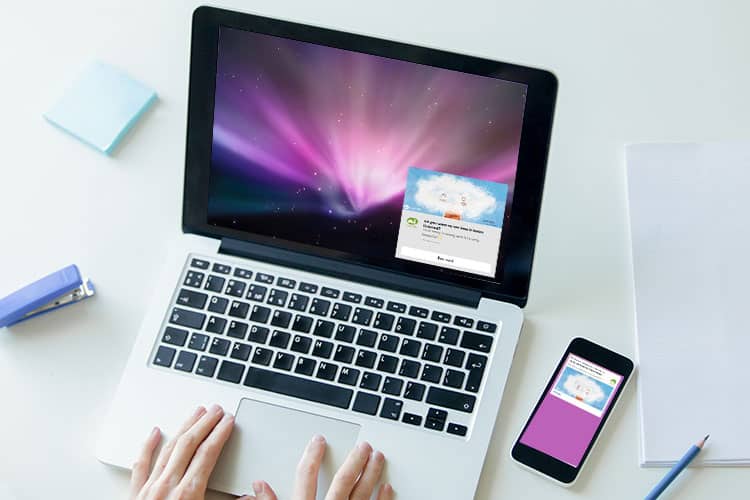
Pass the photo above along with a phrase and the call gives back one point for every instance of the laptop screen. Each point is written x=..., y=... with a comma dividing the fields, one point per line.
x=361, y=154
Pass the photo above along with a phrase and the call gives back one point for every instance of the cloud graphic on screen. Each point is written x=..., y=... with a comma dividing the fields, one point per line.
x=583, y=388
x=446, y=193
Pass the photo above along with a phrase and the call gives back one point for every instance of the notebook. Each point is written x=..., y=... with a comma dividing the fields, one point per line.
x=690, y=227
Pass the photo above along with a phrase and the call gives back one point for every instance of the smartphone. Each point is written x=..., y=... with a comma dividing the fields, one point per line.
x=572, y=410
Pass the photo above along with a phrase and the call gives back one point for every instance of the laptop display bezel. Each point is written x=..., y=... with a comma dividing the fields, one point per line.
x=519, y=232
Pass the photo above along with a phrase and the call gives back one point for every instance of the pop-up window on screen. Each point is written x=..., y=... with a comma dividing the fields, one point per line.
x=451, y=221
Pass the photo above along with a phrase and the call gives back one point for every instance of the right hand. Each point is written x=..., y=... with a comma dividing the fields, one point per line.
x=355, y=480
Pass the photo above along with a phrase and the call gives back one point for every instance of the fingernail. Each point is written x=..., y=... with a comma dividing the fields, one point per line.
x=388, y=488
x=154, y=431
x=199, y=411
x=317, y=438
x=378, y=456
x=365, y=446
x=214, y=409
x=258, y=487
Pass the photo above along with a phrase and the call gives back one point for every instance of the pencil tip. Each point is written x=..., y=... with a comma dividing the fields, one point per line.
x=706, y=438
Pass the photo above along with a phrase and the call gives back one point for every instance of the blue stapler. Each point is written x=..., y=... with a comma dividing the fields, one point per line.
x=59, y=289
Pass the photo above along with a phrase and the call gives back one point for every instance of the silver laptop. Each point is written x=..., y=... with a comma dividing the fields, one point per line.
x=359, y=224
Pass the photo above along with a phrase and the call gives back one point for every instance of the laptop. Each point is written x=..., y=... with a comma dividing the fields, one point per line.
x=359, y=223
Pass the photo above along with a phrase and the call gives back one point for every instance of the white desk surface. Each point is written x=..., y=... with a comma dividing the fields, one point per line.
x=628, y=71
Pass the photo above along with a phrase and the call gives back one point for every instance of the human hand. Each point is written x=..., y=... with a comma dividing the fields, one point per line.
x=182, y=469
x=355, y=480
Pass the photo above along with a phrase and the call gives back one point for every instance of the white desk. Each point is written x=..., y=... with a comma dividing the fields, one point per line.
x=628, y=71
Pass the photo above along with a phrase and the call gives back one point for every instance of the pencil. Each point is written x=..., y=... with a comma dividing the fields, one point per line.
x=675, y=471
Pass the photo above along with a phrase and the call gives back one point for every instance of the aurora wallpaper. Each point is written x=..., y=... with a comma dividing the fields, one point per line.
x=312, y=144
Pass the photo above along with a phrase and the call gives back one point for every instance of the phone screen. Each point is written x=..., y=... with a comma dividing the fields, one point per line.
x=569, y=415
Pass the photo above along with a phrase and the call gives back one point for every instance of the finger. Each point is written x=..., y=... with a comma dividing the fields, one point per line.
x=189, y=441
x=166, y=451
x=346, y=477
x=142, y=466
x=386, y=492
x=263, y=491
x=306, y=480
x=208, y=452
x=370, y=477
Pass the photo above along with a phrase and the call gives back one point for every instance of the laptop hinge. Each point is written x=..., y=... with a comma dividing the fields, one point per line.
x=360, y=273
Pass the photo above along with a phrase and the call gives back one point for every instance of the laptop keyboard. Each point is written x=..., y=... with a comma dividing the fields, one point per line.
x=365, y=354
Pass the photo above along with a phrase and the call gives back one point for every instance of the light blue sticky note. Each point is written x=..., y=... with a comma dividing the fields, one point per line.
x=101, y=106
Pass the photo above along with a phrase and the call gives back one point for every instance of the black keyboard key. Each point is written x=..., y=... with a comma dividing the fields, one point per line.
x=301, y=344
x=207, y=366
x=164, y=356
x=341, y=312
x=405, y=326
x=257, y=293
x=387, y=364
x=303, y=388
x=221, y=268
x=367, y=338
x=384, y=321
x=189, y=319
x=235, y=288
x=344, y=354
x=174, y=336
x=432, y=353
x=298, y=302
x=283, y=361
x=393, y=386
x=388, y=343
x=409, y=368
x=260, y=314
x=216, y=325
x=243, y=273
x=218, y=305
x=454, y=378
x=302, y=323
x=366, y=359
x=262, y=356
x=308, y=287
x=410, y=347
x=441, y=316
x=193, y=299
x=458, y=430
x=319, y=307
x=323, y=328
x=412, y=419
x=199, y=263
x=454, y=357
x=194, y=279
x=449, y=335
x=286, y=282
x=198, y=342
x=281, y=319
x=391, y=409
x=419, y=312
x=484, y=326
x=220, y=346
x=476, y=363
x=437, y=414
x=463, y=322
x=432, y=373
x=327, y=371
x=476, y=341
x=345, y=333
x=436, y=425
x=258, y=334
x=263, y=278
x=237, y=329
x=366, y=403
x=370, y=381
x=239, y=309
x=396, y=307
x=349, y=376
x=215, y=283
x=305, y=366
x=185, y=361
x=241, y=351
x=355, y=298
x=451, y=399
x=230, y=372
x=279, y=339
x=414, y=391
x=374, y=302
x=278, y=297
x=362, y=316
x=322, y=349
x=427, y=330
x=331, y=293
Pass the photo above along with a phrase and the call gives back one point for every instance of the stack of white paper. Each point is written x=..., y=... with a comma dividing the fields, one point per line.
x=690, y=226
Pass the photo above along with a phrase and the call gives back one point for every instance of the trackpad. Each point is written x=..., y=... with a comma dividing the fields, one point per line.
x=267, y=443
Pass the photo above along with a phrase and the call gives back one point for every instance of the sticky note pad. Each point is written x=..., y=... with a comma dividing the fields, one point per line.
x=101, y=106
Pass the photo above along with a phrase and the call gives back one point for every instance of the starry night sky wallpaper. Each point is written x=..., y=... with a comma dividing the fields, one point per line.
x=312, y=144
